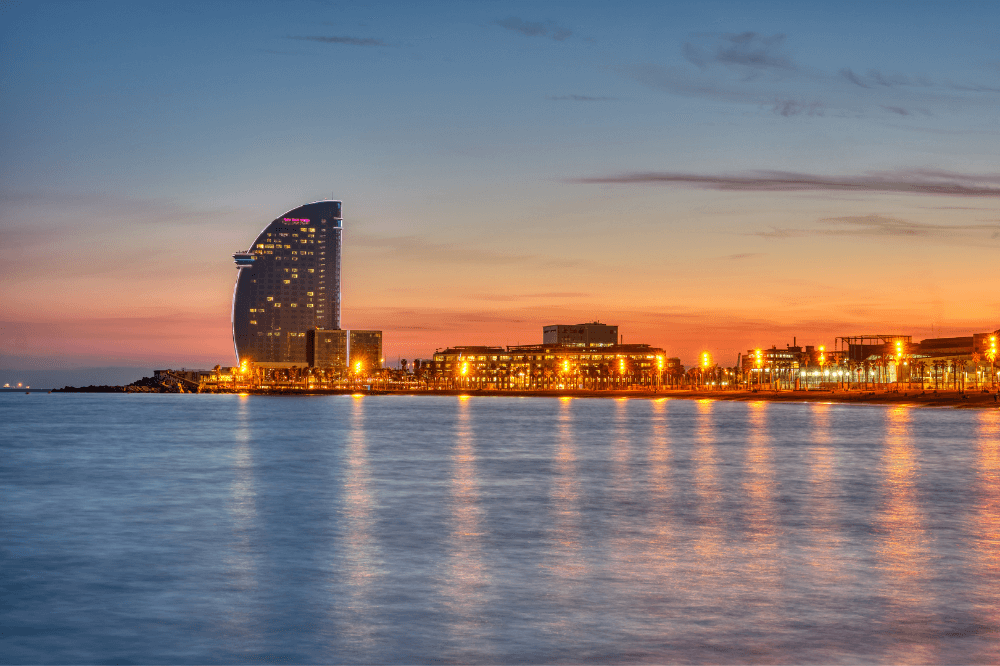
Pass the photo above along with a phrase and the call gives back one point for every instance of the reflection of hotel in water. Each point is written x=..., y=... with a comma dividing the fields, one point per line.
x=286, y=303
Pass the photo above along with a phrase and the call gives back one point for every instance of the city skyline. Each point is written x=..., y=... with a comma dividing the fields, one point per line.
x=705, y=177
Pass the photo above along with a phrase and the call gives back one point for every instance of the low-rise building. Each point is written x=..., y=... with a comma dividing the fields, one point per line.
x=551, y=366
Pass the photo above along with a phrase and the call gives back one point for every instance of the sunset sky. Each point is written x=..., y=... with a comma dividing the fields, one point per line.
x=708, y=176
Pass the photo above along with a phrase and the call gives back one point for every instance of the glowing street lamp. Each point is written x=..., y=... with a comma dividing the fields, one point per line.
x=991, y=355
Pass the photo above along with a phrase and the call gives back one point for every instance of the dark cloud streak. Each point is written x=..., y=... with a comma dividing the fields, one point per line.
x=746, y=49
x=579, y=98
x=350, y=41
x=904, y=182
x=534, y=28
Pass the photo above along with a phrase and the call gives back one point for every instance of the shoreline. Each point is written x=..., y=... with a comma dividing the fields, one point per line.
x=915, y=398
x=912, y=397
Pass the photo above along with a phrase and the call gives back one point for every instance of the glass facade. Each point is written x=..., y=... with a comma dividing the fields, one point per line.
x=364, y=351
x=288, y=284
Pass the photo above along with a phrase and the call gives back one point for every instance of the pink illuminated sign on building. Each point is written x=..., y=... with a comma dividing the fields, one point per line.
x=294, y=219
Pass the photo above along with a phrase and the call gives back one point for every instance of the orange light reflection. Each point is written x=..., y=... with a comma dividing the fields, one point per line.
x=902, y=545
x=466, y=578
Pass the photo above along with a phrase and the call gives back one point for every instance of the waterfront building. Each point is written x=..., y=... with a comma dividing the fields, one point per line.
x=550, y=366
x=327, y=349
x=341, y=351
x=364, y=351
x=288, y=283
x=594, y=334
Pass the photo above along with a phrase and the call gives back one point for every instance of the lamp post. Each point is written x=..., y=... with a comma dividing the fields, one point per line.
x=758, y=356
x=991, y=355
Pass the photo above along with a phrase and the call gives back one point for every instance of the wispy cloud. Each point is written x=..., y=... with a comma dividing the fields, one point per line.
x=792, y=107
x=916, y=181
x=752, y=68
x=579, y=98
x=521, y=297
x=350, y=41
x=454, y=253
x=746, y=49
x=773, y=95
x=889, y=227
x=875, y=78
x=534, y=28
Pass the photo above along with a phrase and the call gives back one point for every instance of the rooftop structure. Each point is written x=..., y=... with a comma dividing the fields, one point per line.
x=594, y=334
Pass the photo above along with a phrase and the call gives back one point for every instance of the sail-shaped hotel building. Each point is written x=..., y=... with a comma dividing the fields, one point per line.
x=287, y=293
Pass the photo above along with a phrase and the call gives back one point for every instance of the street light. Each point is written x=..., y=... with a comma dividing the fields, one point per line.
x=991, y=355
x=900, y=355
x=758, y=357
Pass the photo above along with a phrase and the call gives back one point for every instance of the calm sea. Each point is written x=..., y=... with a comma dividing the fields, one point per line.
x=223, y=529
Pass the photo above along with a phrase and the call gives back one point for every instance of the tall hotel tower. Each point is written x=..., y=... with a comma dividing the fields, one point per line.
x=288, y=284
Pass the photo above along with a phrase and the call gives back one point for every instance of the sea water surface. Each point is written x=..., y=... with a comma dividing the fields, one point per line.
x=392, y=529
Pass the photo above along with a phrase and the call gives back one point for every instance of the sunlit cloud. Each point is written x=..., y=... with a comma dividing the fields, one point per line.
x=879, y=226
x=438, y=252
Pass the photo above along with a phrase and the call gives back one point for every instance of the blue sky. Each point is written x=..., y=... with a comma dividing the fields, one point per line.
x=502, y=166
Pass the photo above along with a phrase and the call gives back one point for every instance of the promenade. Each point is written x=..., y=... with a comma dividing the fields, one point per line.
x=913, y=397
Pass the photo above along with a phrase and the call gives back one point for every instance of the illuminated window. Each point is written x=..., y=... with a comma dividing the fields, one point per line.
x=309, y=305
x=309, y=293
x=312, y=229
x=287, y=281
x=312, y=270
x=270, y=298
x=277, y=305
x=294, y=305
x=253, y=321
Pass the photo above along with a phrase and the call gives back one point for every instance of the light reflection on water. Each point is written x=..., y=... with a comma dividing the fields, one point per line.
x=902, y=547
x=985, y=524
x=240, y=557
x=466, y=580
x=228, y=529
